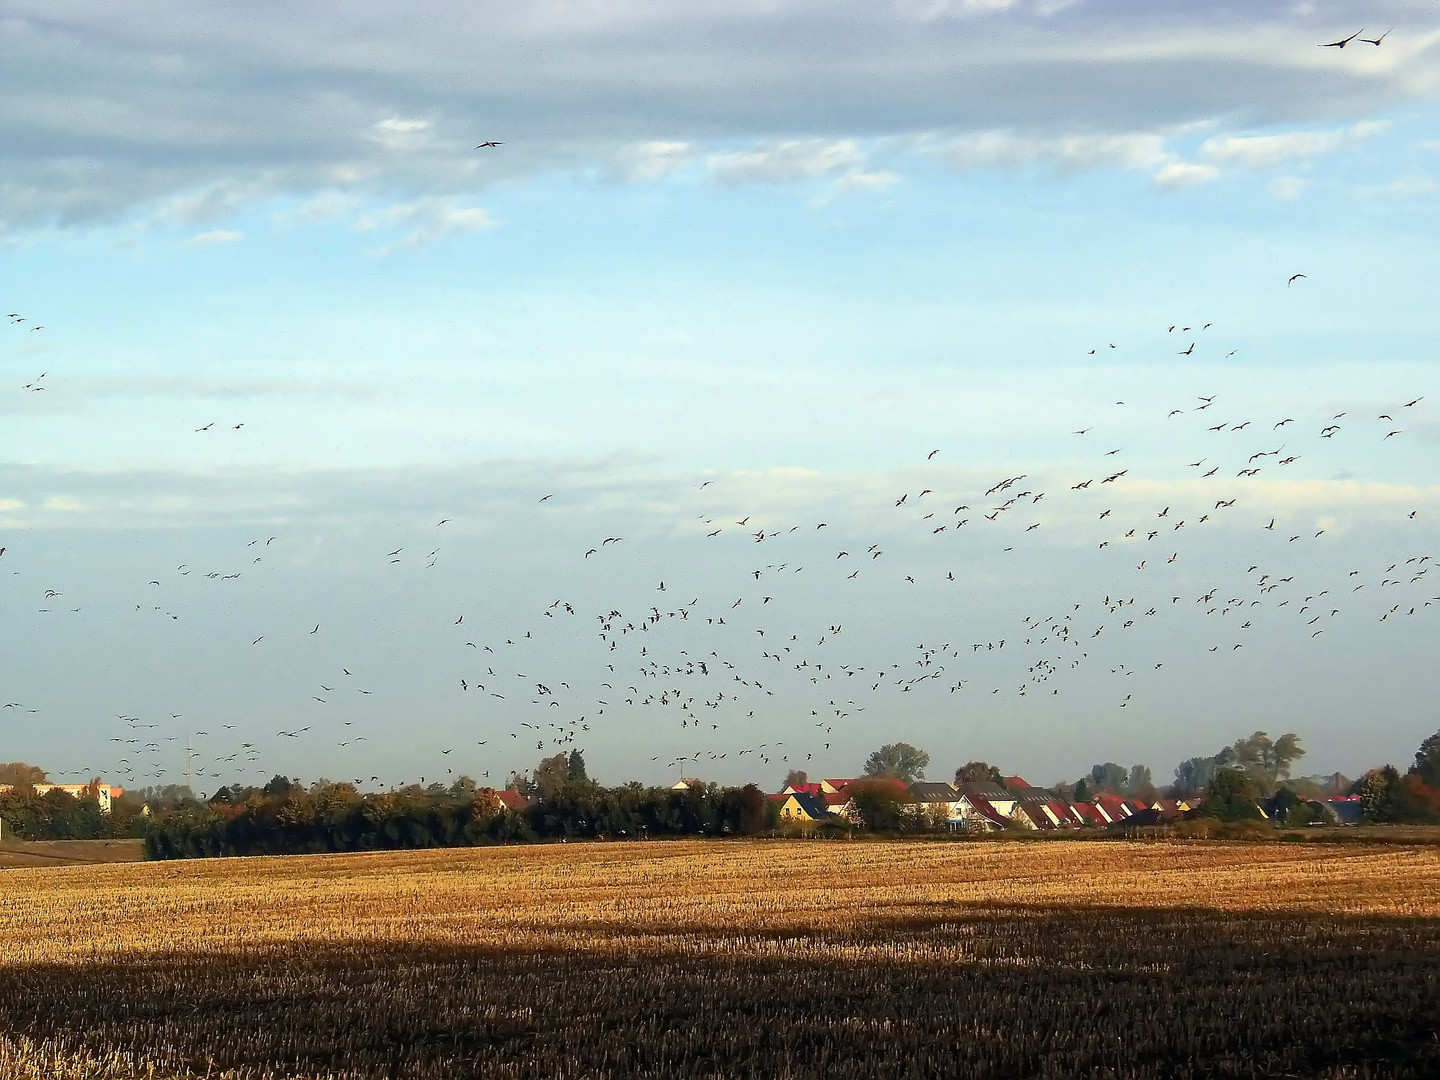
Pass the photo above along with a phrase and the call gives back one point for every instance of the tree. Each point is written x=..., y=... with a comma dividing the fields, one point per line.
x=1280, y=755
x=1427, y=761
x=19, y=774
x=551, y=775
x=575, y=766
x=279, y=785
x=881, y=808
x=797, y=778
x=977, y=772
x=899, y=760
x=1290, y=808
x=1192, y=776
x=1230, y=796
x=523, y=784
x=1109, y=777
x=1082, y=790
x=1267, y=760
x=464, y=787
x=1139, y=785
x=1378, y=791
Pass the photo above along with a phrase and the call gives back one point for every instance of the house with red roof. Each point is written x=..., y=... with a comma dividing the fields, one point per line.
x=512, y=799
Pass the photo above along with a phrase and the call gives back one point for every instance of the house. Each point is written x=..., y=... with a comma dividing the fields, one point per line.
x=1034, y=816
x=685, y=783
x=1089, y=815
x=976, y=813
x=993, y=794
x=801, y=806
x=1114, y=807
x=807, y=789
x=101, y=793
x=512, y=799
x=1064, y=814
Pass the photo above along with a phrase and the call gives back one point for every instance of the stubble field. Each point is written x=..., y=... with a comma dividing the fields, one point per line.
x=753, y=959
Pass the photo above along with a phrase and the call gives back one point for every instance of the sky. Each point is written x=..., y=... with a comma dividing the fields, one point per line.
x=769, y=291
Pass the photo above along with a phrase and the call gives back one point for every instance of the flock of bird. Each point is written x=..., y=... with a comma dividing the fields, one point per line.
x=743, y=669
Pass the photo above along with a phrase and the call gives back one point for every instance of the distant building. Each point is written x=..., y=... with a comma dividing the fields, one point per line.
x=800, y=806
x=685, y=783
x=512, y=799
x=102, y=793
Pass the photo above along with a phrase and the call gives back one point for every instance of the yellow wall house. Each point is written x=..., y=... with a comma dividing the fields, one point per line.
x=801, y=807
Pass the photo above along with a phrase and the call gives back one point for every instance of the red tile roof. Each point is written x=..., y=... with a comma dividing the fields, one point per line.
x=513, y=799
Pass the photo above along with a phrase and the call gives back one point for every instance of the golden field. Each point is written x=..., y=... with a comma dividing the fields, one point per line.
x=736, y=958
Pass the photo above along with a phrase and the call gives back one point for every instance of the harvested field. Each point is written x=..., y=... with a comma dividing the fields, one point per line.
x=755, y=959
x=30, y=853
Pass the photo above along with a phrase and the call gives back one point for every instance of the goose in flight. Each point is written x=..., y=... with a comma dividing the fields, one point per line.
x=1377, y=41
x=1344, y=41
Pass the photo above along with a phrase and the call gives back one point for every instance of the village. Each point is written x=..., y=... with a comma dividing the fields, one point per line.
x=1011, y=804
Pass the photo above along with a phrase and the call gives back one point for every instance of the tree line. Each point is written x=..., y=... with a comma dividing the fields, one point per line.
x=561, y=802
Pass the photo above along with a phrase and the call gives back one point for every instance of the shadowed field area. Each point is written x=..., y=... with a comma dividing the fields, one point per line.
x=736, y=959
x=23, y=853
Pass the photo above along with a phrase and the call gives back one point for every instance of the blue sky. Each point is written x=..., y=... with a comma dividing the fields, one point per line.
x=784, y=248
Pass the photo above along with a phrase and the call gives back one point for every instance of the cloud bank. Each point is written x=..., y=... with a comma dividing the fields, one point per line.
x=156, y=107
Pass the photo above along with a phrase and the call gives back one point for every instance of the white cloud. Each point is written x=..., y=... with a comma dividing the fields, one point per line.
x=866, y=181
x=1287, y=187
x=1271, y=151
x=215, y=236
x=1409, y=187
x=1183, y=174
x=656, y=159
x=786, y=162
x=194, y=114
x=397, y=126
x=428, y=220
x=1068, y=153
x=328, y=206
x=401, y=136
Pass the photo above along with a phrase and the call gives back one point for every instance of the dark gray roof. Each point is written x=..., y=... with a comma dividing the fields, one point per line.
x=984, y=791
x=932, y=791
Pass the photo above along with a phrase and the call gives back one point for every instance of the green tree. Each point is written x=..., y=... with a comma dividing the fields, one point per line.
x=1427, y=761
x=978, y=772
x=1109, y=777
x=1231, y=795
x=575, y=766
x=1193, y=775
x=1082, y=790
x=21, y=775
x=898, y=760
x=523, y=784
x=464, y=787
x=1138, y=784
x=881, y=808
x=551, y=775
x=279, y=785
x=1378, y=791
x=1280, y=755
x=1267, y=760
x=796, y=778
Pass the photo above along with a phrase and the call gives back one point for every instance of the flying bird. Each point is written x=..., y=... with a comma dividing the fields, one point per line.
x=1293, y=278
x=1343, y=41
x=1377, y=41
